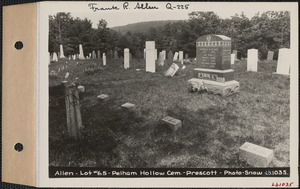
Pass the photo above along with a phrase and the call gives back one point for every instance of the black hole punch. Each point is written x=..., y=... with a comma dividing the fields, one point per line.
x=18, y=147
x=19, y=45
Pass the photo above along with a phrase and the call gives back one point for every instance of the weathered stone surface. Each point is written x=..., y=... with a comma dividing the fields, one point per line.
x=232, y=59
x=81, y=54
x=173, y=123
x=270, y=55
x=128, y=106
x=126, y=58
x=213, y=52
x=150, y=56
x=214, y=75
x=172, y=70
x=255, y=155
x=224, y=89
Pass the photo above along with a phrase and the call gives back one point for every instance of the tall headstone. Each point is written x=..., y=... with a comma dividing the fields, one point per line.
x=126, y=58
x=232, y=59
x=180, y=55
x=81, y=54
x=164, y=54
x=150, y=56
x=170, y=56
x=61, y=50
x=98, y=54
x=270, y=55
x=94, y=55
x=235, y=52
x=175, y=56
x=54, y=57
x=116, y=55
x=213, y=65
x=284, y=61
x=252, y=59
x=104, y=59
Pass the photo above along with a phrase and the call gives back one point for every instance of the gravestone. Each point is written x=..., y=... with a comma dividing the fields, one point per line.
x=164, y=54
x=213, y=65
x=54, y=57
x=102, y=97
x=186, y=56
x=80, y=88
x=255, y=155
x=252, y=59
x=173, y=124
x=284, y=61
x=74, y=57
x=90, y=55
x=98, y=54
x=128, y=106
x=175, y=56
x=170, y=56
x=126, y=58
x=104, y=59
x=235, y=52
x=94, y=55
x=270, y=55
x=161, y=59
x=232, y=58
x=180, y=55
x=61, y=50
x=81, y=54
x=150, y=56
x=172, y=70
x=67, y=75
x=116, y=55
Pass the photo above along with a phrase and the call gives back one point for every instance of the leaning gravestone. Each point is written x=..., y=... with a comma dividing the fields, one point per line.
x=150, y=56
x=255, y=155
x=270, y=55
x=172, y=70
x=284, y=61
x=252, y=59
x=126, y=58
x=214, y=68
x=81, y=54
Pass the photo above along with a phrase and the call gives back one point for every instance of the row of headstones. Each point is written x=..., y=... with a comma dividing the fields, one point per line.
x=269, y=57
x=283, y=63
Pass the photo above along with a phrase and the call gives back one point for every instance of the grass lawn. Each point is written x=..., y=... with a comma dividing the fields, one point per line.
x=213, y=127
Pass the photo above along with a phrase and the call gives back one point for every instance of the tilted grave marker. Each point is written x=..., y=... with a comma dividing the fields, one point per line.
x=214, y=68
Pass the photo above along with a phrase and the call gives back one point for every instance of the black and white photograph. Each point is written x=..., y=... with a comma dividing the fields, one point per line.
x=139, y=94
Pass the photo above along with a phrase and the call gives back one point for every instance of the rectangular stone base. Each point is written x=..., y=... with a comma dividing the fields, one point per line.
x=214, y=75
x=224, y=89
x=255, y=155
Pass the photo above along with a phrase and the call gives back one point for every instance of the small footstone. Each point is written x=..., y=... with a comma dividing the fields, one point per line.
x=127, y=106
x=102, y=96
x=255, y=155
x=173, y=123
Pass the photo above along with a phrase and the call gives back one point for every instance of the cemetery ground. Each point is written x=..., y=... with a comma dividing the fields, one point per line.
x=213, y=127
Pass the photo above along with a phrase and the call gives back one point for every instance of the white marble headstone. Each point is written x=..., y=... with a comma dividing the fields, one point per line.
x=252, y=59
x=61, y=49
x=284, y=61
x=81, y=55
x=150, y=56
x=126, y=58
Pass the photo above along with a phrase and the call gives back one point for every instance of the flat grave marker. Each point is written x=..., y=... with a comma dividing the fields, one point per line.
x=102, y=97
x=255, y=155
x=128, y=106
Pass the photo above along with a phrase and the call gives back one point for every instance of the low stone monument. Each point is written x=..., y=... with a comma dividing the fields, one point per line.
x=214, y=73
x=150, y=56
x=284, y=61
x=172, y=123
x=102, y=97
x=252, y=59
x=80, y=88
x=128, y=106
x=54, y=57
x=255, y=155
